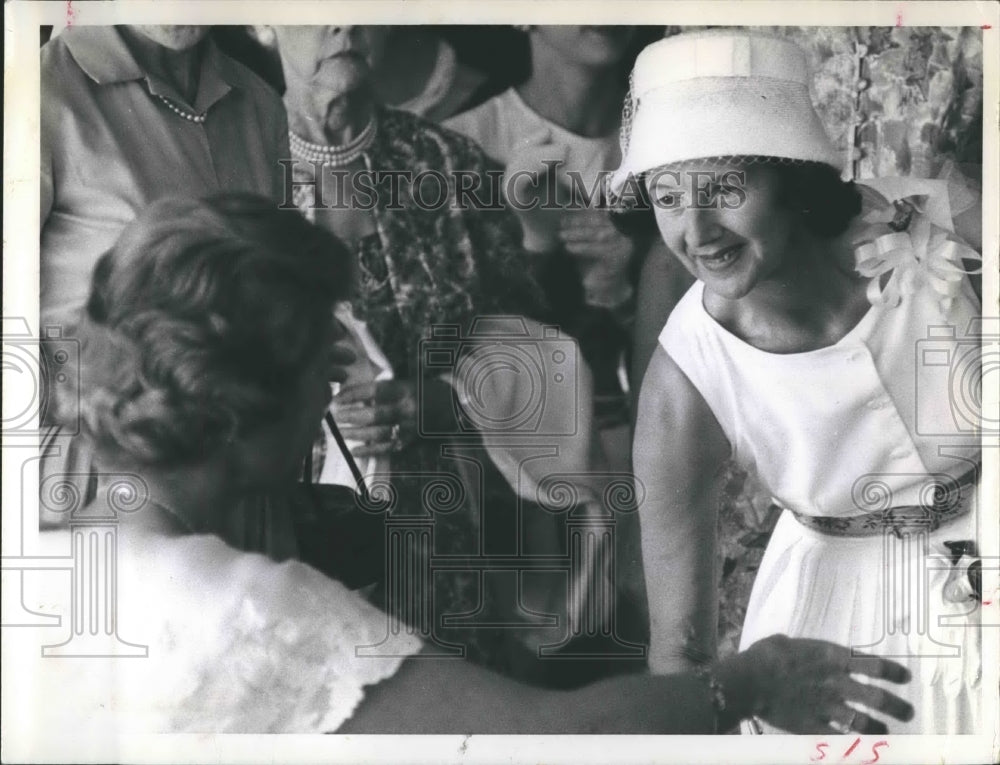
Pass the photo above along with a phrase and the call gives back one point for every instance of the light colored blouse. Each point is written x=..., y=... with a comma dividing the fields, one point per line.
x=236, y=643
x=502, y=124
x=110, y=146
x=811, y=424
x=881, y=401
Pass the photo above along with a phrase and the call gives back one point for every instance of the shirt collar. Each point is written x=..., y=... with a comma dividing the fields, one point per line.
x=103, y=55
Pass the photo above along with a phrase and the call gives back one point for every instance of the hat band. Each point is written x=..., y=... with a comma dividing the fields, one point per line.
x=718, y=57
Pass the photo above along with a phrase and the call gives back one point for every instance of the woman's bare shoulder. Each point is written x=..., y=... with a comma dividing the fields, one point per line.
x=665, y=386
x=677, y=432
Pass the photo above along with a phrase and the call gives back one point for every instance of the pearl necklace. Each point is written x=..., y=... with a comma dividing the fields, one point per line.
x=191, y=116
x=335, y=156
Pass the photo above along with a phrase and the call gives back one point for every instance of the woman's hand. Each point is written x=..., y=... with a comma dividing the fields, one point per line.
x=527, y=178
x=342, y=356
x=603, y=255
x=792, y=684
x=806, y=686
x=381, y=415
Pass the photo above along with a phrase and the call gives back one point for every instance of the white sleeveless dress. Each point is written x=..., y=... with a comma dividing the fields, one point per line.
x=235, y=643
x=842, y=431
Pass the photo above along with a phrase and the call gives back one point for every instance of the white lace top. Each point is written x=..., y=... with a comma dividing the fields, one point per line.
x=236, y=644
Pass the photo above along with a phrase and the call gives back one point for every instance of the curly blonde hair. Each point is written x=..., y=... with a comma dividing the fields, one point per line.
x=201, y=319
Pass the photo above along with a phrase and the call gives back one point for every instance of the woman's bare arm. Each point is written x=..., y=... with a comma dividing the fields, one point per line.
x=798, y=685
x=439, y=695
x=662, y=283
x=678, y=452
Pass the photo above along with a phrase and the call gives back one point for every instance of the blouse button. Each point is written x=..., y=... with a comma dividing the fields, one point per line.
x=878, y=403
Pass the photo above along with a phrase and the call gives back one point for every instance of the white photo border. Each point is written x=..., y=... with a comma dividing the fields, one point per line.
x=22, y=19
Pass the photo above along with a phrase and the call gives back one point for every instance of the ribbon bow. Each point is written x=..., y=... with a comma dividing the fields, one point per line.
x=916, y=254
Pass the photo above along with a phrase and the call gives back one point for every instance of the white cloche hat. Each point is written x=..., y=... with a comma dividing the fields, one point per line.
x=720, y=93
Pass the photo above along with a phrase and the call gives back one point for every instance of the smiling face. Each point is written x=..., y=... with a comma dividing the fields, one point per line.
x=725, y=223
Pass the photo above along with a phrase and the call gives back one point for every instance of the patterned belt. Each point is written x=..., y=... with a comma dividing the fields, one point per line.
x=948, y=498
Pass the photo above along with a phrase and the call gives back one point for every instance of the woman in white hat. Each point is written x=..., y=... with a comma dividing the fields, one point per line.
x=795, y=353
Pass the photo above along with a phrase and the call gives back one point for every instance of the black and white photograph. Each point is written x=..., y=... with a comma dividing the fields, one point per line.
x=447, y=382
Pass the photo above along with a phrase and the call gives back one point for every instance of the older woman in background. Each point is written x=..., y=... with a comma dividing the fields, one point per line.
x=130, y=114
x=427, y=70
x=204, y=385
x=422, y=265
x=133, y=113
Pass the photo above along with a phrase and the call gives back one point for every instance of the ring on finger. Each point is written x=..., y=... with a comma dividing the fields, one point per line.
x=845, y=728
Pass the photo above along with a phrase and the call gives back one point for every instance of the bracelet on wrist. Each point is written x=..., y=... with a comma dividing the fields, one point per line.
x=716, y=691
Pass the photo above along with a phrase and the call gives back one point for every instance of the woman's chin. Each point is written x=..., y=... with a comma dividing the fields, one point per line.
x=731, y=286
x=347, y=75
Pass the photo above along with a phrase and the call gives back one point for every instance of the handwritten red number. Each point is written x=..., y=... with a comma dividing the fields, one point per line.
x=820, y=750
x=875, y=747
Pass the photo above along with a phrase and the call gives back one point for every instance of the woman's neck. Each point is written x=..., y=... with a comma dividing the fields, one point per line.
x=584, y=101
x=182, y=500
x=324, y=120
x=818, y=272
x=809, y=303
x=180, y=69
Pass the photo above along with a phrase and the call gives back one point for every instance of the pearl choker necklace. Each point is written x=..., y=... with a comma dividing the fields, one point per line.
x=191, y=116
x=335, y=156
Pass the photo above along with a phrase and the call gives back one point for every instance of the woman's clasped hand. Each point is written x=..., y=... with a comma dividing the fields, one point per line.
x=380, y=415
